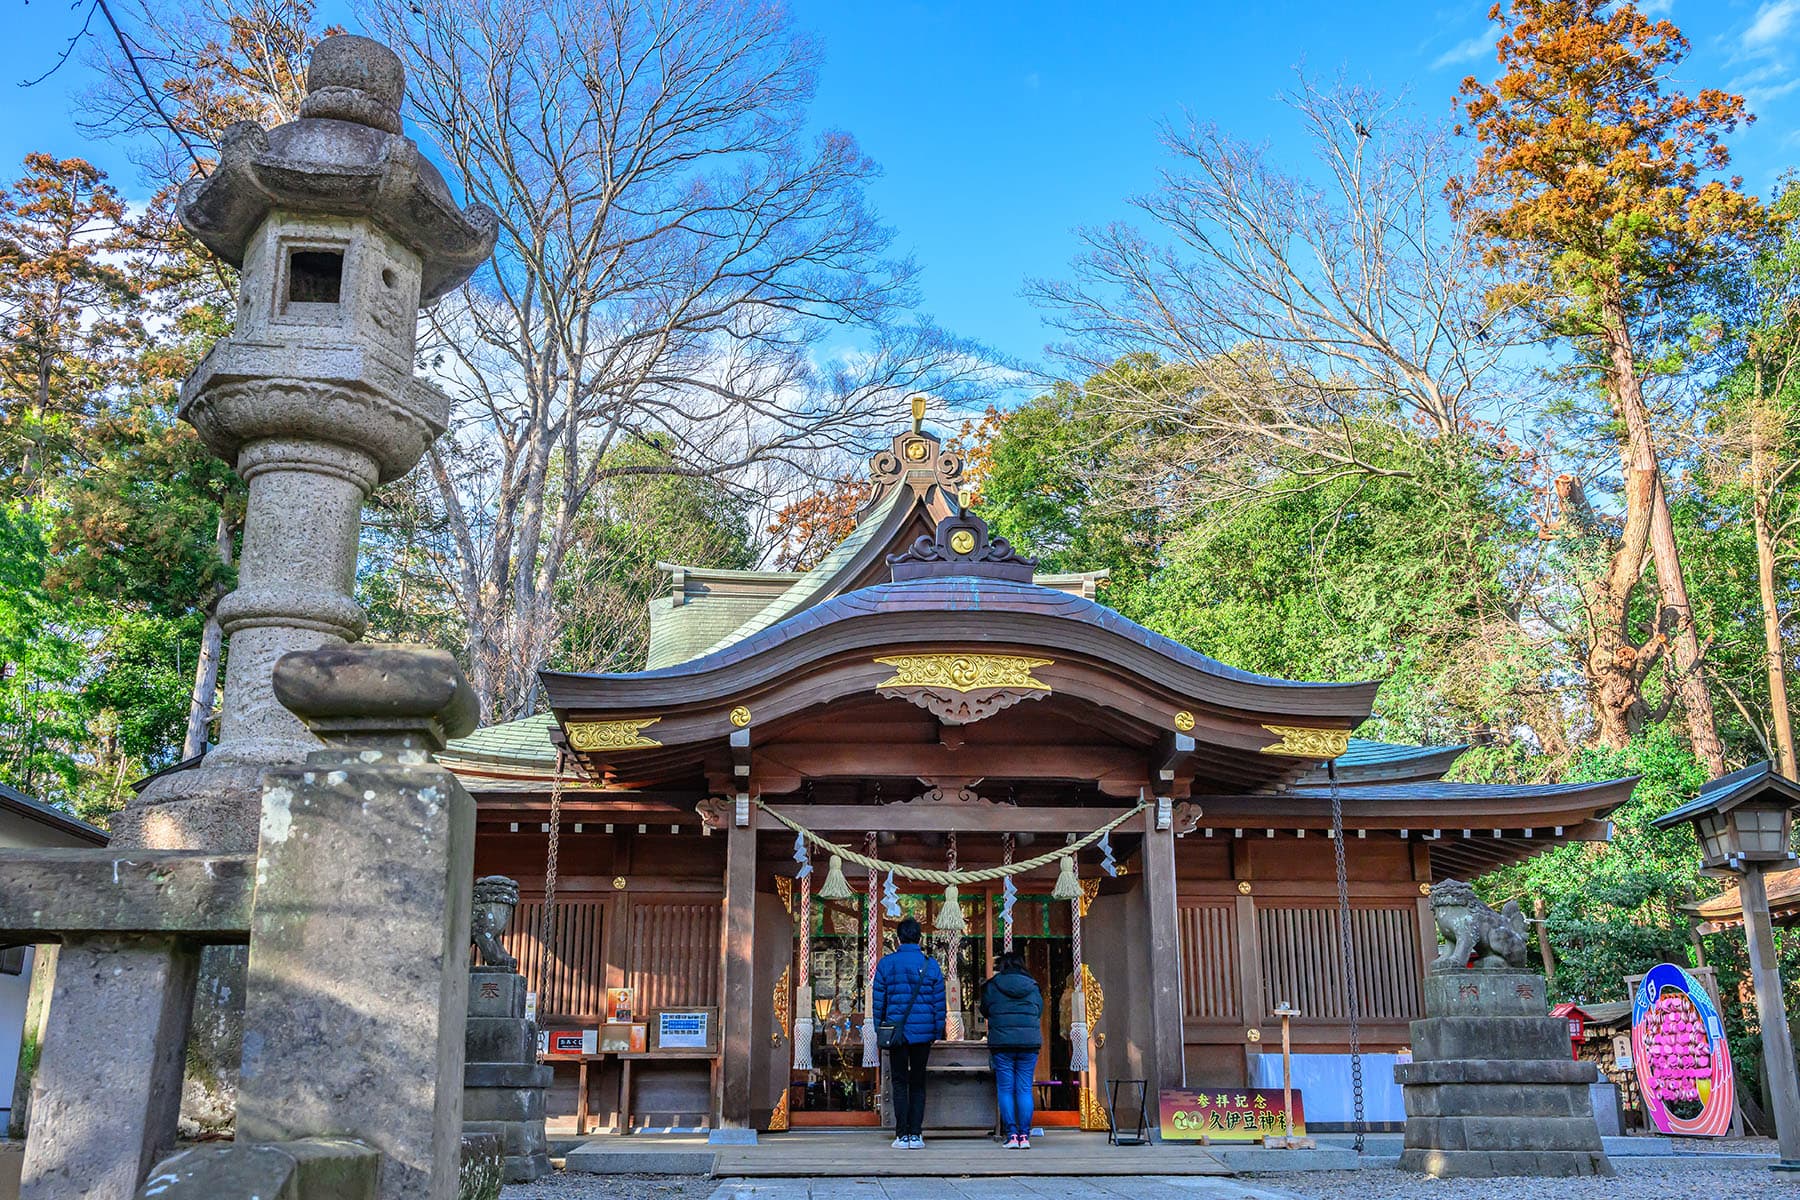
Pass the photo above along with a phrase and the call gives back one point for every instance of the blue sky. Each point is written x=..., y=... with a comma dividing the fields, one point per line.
x=1000, y=127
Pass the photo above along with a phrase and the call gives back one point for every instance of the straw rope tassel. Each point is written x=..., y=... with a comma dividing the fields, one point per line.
x=1078, y=1026
x=950, y=923
x=836, y=887
x=1067, y=886
x=871, y=1047
x=803, y=997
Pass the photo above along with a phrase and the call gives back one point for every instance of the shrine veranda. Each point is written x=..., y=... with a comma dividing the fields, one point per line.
x=923, y=693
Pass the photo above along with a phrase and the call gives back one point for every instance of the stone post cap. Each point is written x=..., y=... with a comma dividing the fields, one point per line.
x=356, y=79
x=360, y=696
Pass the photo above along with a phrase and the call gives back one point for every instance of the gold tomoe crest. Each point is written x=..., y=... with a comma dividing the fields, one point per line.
x=964, y=672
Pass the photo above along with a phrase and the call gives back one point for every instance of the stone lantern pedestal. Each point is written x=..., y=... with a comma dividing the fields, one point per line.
x=1491, y=1089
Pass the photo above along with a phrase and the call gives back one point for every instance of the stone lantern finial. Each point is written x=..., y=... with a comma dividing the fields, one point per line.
x=355, y=79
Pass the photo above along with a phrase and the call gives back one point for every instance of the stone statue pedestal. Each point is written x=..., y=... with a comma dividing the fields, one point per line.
x=503, y=1085
x=1491, y=1089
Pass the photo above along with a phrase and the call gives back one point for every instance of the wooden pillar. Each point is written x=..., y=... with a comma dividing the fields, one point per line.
x=1167, y=1058
x=737, y=977
x=1771, y=1012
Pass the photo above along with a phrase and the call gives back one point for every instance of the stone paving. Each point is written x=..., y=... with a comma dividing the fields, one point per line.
x=1661, y=1179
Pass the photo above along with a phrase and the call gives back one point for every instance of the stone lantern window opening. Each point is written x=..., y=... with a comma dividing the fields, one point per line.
x=315, y=276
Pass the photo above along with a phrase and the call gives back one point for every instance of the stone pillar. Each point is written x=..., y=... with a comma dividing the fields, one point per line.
x=96, y=1129
x=358, y=981
x=737, y=985
x=1491, y=1089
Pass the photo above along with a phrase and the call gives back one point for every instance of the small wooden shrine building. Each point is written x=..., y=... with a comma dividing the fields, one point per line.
x=924, y=696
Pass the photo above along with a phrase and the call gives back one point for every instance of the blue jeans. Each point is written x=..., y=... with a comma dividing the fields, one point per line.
x=1014, y=1073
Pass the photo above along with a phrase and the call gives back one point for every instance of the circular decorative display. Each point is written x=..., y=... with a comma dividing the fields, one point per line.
x=1678, y=1050
x=740, y=716
x=962, y=541
x=1184, y=720
x=916, y=451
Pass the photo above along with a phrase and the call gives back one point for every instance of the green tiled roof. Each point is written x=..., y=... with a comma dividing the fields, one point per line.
x=817, y=584
x=525, y=742
x=679, y=632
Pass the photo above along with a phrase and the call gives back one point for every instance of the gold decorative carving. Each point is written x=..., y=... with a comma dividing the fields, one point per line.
x=740, y=716
x=784, y=887
x=1184, y=720
x=1424, y=889
x=964, y=672
x=1093, y=1116
x=618, y=883
x=1253, y=1035
x=1300, y=741
x=962, y=541
x=1089, y=889
x=778, y=1119
x=1243, y=887
x=783, y=1007
x=611, y=735
x=1096, y=999
x=916, y=451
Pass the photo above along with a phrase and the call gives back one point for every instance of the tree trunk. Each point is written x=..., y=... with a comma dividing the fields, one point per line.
x=1640, y=457
x=206, y=667
x=1762, y=472
x=1614, y=667
x=1684, y=642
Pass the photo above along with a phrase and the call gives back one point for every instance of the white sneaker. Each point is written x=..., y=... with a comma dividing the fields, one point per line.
x=903, y=1143
x=918, y=1143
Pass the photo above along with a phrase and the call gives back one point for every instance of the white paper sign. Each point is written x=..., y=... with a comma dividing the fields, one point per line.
x=681, y=1030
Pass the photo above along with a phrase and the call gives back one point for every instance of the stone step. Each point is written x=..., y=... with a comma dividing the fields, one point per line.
x=1502, y=1038
x=1484, y=1132
x=1490, y=1164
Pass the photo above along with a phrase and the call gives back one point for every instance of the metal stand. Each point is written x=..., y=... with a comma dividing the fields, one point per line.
x=1139, y=1135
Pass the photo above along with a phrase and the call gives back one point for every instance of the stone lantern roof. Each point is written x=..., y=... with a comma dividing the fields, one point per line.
x=346, y=156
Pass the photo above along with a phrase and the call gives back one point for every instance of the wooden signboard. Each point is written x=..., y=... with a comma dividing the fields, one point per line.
x=1227, y=1115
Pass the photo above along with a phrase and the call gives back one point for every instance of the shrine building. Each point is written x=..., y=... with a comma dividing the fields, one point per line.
x=924, y=698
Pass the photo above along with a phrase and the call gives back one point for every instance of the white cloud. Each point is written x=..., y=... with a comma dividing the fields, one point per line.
x=1657, y=8
x=1474, y=48
x=1770, y=25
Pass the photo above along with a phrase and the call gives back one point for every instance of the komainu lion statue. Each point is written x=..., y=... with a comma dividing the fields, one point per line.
x=492, y=908
x=1476, y=932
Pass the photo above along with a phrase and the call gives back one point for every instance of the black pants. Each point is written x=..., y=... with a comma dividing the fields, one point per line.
x=906, y=1074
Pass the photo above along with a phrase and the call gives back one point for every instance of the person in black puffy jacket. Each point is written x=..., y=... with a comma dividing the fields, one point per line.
x=1014, y=1008
x=909, y=995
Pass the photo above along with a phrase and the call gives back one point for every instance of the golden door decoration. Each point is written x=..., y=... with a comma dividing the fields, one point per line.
x=778, y=1119
x=783, y=1010
x=1093, y=1114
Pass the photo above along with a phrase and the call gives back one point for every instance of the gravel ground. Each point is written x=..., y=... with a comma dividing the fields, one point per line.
x=558, y=1186
x=1636, y=1181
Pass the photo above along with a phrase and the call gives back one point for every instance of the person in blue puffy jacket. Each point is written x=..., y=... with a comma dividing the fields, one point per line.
x=909, y=998
x=1014, y=1008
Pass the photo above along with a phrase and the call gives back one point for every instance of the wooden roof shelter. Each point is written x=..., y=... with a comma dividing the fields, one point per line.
x=923, y=681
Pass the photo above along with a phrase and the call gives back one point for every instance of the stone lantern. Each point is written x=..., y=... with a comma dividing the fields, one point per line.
x=341, y=230
x=1744, y=821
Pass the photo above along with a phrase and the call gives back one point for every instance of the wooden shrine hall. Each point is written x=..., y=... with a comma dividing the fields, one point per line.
x=924, y=698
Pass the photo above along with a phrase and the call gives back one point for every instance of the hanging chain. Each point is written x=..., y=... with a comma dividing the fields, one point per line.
x=1351, y=1003
x=556, y=792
